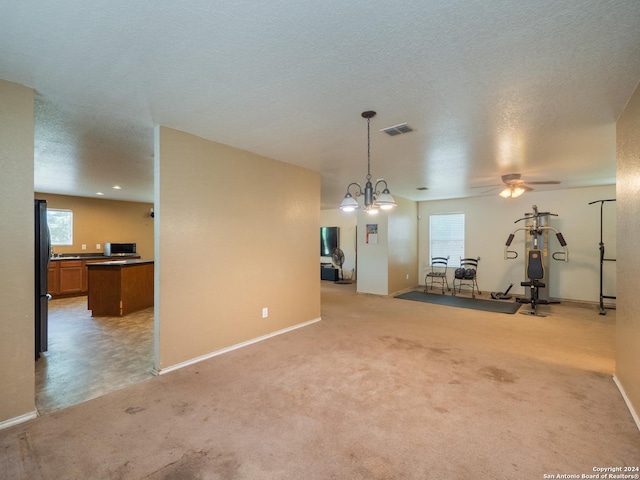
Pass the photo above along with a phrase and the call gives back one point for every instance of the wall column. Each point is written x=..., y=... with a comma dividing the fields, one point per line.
x=17, y=369
x=628, y=264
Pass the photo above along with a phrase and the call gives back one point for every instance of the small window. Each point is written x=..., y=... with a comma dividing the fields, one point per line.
x=60, y=226
x=446, y=237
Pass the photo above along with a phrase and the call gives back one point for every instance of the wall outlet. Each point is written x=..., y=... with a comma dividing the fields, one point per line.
x=84, y=246
x=265, y=312
x=97, y=246
x=407, y=276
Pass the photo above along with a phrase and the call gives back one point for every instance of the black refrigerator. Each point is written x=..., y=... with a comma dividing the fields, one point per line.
x=42, y=259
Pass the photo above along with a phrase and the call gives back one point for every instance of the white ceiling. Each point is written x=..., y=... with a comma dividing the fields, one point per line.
x=490, y=88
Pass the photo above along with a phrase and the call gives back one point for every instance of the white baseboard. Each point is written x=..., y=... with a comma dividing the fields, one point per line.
x=17, y=420
x=634, y=414
x=231, y=348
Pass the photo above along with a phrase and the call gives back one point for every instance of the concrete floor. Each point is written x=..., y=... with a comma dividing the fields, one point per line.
x=91, y=356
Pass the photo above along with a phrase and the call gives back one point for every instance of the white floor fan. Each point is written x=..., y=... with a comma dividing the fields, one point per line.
x=337, y=255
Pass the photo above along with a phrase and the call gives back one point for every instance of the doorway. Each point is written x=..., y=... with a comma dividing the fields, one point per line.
x=91, y=356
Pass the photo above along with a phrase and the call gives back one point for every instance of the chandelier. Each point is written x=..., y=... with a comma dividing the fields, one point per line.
x=373, y=197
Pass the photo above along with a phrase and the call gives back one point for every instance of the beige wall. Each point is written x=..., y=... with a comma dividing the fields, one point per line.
x=235, y=232
x=628, y=204
x=383, y=266
x=373, y=258
x=403, y=246
x=490, y=219
x=96, y=221
x=17, y=389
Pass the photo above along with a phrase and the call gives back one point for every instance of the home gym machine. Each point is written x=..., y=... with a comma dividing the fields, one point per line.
x=602, y=257
x=537, y=251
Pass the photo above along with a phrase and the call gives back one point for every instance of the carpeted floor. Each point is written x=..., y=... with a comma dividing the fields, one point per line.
x=496, y=306
x=373, y=391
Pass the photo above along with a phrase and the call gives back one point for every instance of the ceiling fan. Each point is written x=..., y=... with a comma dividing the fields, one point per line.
x=515, y=186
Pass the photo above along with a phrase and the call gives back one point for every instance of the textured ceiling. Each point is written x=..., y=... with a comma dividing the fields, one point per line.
x=490, y=88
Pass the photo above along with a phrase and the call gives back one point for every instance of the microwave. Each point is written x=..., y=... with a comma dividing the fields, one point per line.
x=119, y=249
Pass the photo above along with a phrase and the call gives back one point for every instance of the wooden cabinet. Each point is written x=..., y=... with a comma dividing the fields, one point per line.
x=53, y=278
x=71, y=275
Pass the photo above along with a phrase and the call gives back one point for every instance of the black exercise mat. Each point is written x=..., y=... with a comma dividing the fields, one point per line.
x=462, y=302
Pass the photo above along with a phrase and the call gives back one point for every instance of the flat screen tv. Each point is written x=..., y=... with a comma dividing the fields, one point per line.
x=328, y=240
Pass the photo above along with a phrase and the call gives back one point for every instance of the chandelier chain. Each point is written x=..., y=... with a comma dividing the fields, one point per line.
x=368, y=150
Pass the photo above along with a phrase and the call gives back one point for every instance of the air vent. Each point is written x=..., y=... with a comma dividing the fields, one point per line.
x=397, y=129
x=422, y=188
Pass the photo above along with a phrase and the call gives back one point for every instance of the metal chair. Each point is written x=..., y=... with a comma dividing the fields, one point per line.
x=438, y=273
x=466, y=275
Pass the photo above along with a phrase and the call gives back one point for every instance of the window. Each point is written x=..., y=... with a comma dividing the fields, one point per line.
x=60, y=226
x=446, y=237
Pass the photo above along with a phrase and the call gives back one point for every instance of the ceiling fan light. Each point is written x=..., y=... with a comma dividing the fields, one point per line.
x=517, y=191
x=506, y=193
x=512, y=191
x=349, y=204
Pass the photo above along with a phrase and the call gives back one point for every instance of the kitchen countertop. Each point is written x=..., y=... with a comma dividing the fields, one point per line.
x=90, y=256
x=125, y=263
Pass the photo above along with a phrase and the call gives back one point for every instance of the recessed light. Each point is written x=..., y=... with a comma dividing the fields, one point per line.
x=117, y=187
x=99, y=193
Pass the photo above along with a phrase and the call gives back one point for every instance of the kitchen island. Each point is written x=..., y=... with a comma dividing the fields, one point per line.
x=119, y=287
x=68, y=276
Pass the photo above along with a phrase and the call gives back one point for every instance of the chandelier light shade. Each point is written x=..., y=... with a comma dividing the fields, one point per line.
x=512, y=191
x=374, y=198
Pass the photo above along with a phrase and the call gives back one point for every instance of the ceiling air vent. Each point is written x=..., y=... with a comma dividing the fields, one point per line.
x=397, y=129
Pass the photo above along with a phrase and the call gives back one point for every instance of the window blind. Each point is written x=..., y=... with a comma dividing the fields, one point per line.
x=446, y=237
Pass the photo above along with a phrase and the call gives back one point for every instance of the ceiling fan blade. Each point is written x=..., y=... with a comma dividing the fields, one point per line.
x=487, y=186
x=514, y=180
